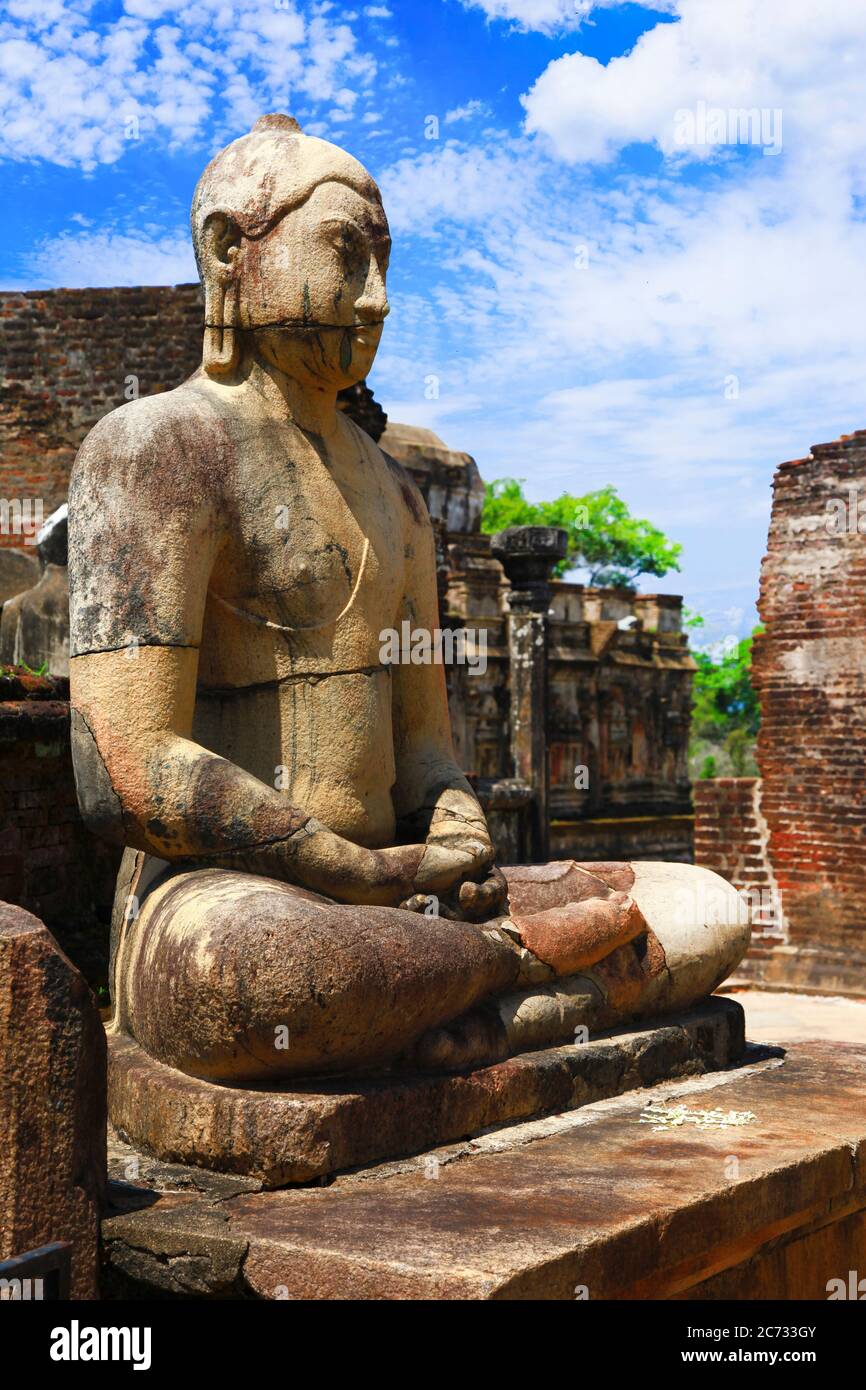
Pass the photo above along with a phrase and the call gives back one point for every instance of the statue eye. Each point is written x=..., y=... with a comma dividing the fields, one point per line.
x=350, y=245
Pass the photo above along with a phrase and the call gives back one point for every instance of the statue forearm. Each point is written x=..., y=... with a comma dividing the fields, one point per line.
x=144, y=782
x=181, y=803
x=165, y=794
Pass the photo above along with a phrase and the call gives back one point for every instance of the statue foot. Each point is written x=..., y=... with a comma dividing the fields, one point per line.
x=236, y=978
x=685, y=928
x=232, y=977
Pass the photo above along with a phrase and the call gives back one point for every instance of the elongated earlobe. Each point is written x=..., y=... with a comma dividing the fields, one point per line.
x=221, y=350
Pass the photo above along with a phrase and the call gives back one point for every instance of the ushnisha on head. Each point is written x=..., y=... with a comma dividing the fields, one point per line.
x=292, y=247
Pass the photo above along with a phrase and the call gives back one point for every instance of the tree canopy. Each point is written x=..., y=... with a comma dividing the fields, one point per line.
x=604, y=539
x=726, y=712
x=724, y=697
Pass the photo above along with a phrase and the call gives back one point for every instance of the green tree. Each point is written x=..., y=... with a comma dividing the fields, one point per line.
x=725, y=709
x=604, y=538
x=724, y=698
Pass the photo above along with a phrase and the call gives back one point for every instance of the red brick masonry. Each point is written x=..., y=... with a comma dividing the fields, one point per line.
x=810, y=674
x=731, y=839
x=67, y=357
x=49, y=863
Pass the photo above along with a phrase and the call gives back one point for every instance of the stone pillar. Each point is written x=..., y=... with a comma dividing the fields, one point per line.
x=52, y=1101
x=528, y=555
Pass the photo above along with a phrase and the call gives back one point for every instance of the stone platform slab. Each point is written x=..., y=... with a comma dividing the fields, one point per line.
x=592, y=1204
x=776, y=1016
x=283, y=1137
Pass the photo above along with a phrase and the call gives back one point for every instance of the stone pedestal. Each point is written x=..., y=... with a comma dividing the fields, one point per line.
x=595, y=1204
x=52, y=1100
x=289, y=1136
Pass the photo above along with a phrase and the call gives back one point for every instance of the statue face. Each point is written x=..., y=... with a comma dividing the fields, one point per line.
x=313, y=288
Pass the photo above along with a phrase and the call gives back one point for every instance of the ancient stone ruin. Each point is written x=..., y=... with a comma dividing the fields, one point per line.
x=376, y=948
x=791, y=840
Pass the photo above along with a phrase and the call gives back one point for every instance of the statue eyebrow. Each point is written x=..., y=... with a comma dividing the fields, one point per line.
x=377, y=235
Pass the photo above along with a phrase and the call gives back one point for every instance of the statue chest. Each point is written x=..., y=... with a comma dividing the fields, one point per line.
x=308, y=550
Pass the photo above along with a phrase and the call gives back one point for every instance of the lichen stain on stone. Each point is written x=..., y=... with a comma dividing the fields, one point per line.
x=48, y=750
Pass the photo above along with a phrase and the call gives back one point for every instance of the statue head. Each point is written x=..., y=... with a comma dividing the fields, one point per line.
x=292, y=246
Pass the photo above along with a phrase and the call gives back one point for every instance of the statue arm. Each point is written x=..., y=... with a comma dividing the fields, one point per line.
x=142, y=546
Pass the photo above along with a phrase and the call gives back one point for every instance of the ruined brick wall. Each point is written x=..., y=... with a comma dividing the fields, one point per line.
x=49, y=863
x=67, y=357
x=810, y=674
x=731, y=839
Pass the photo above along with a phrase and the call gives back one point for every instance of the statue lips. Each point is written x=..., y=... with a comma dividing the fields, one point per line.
x=371, y=327
x=368, y=334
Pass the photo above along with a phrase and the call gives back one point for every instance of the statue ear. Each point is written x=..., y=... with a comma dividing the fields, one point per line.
x=221, y=239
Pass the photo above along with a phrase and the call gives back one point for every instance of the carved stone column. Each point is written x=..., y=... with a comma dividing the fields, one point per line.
x=528, y=555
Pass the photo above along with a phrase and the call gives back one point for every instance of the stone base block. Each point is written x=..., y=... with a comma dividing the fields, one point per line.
x=594, y=1204
x=284, y=1137
x=52, y=1102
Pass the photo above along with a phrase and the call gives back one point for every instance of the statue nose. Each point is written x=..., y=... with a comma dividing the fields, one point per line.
x=372, y=313
x=373, y=304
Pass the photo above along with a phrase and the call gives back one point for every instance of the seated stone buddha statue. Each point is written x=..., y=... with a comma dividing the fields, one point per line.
x=309, y=885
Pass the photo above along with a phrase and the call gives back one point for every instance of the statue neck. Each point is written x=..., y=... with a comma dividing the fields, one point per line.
x=312, y=408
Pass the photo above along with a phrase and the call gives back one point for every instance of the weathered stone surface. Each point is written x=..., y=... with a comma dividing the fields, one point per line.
x=448, y=481
x=183, y=1249
x=311, y=860
x=606, y=1208
x=809, y=668
x=50, y=864
x=591, y=1204
x=52, y=1100
x=34, y=625
x=359, y=403
x=19, y=570
x=528, y=555
x=796, y=836
x=573, y=937
x=349, y=986
x=294, y=1136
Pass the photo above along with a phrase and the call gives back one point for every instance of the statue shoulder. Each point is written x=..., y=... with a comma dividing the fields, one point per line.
x=411, y=494
x=171, y=440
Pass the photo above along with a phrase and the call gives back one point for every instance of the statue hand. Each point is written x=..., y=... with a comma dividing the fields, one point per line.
x=398, y=868
x=470, y=902
x=459, y=864
x=330, y=864
x=457, y=849
x=481, y=901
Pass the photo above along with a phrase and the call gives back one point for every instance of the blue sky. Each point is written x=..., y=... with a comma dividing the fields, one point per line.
x=596, y=278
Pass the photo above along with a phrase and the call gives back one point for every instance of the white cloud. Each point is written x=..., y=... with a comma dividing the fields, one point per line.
x=719, y=324
x=467, y=112
x=769, y=54
x=461, y=183
x=71, y=81
x=104, y=258
x=544, y=15
x=377, y=12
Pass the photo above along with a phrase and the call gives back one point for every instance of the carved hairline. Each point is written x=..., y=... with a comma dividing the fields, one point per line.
x=253, y=229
